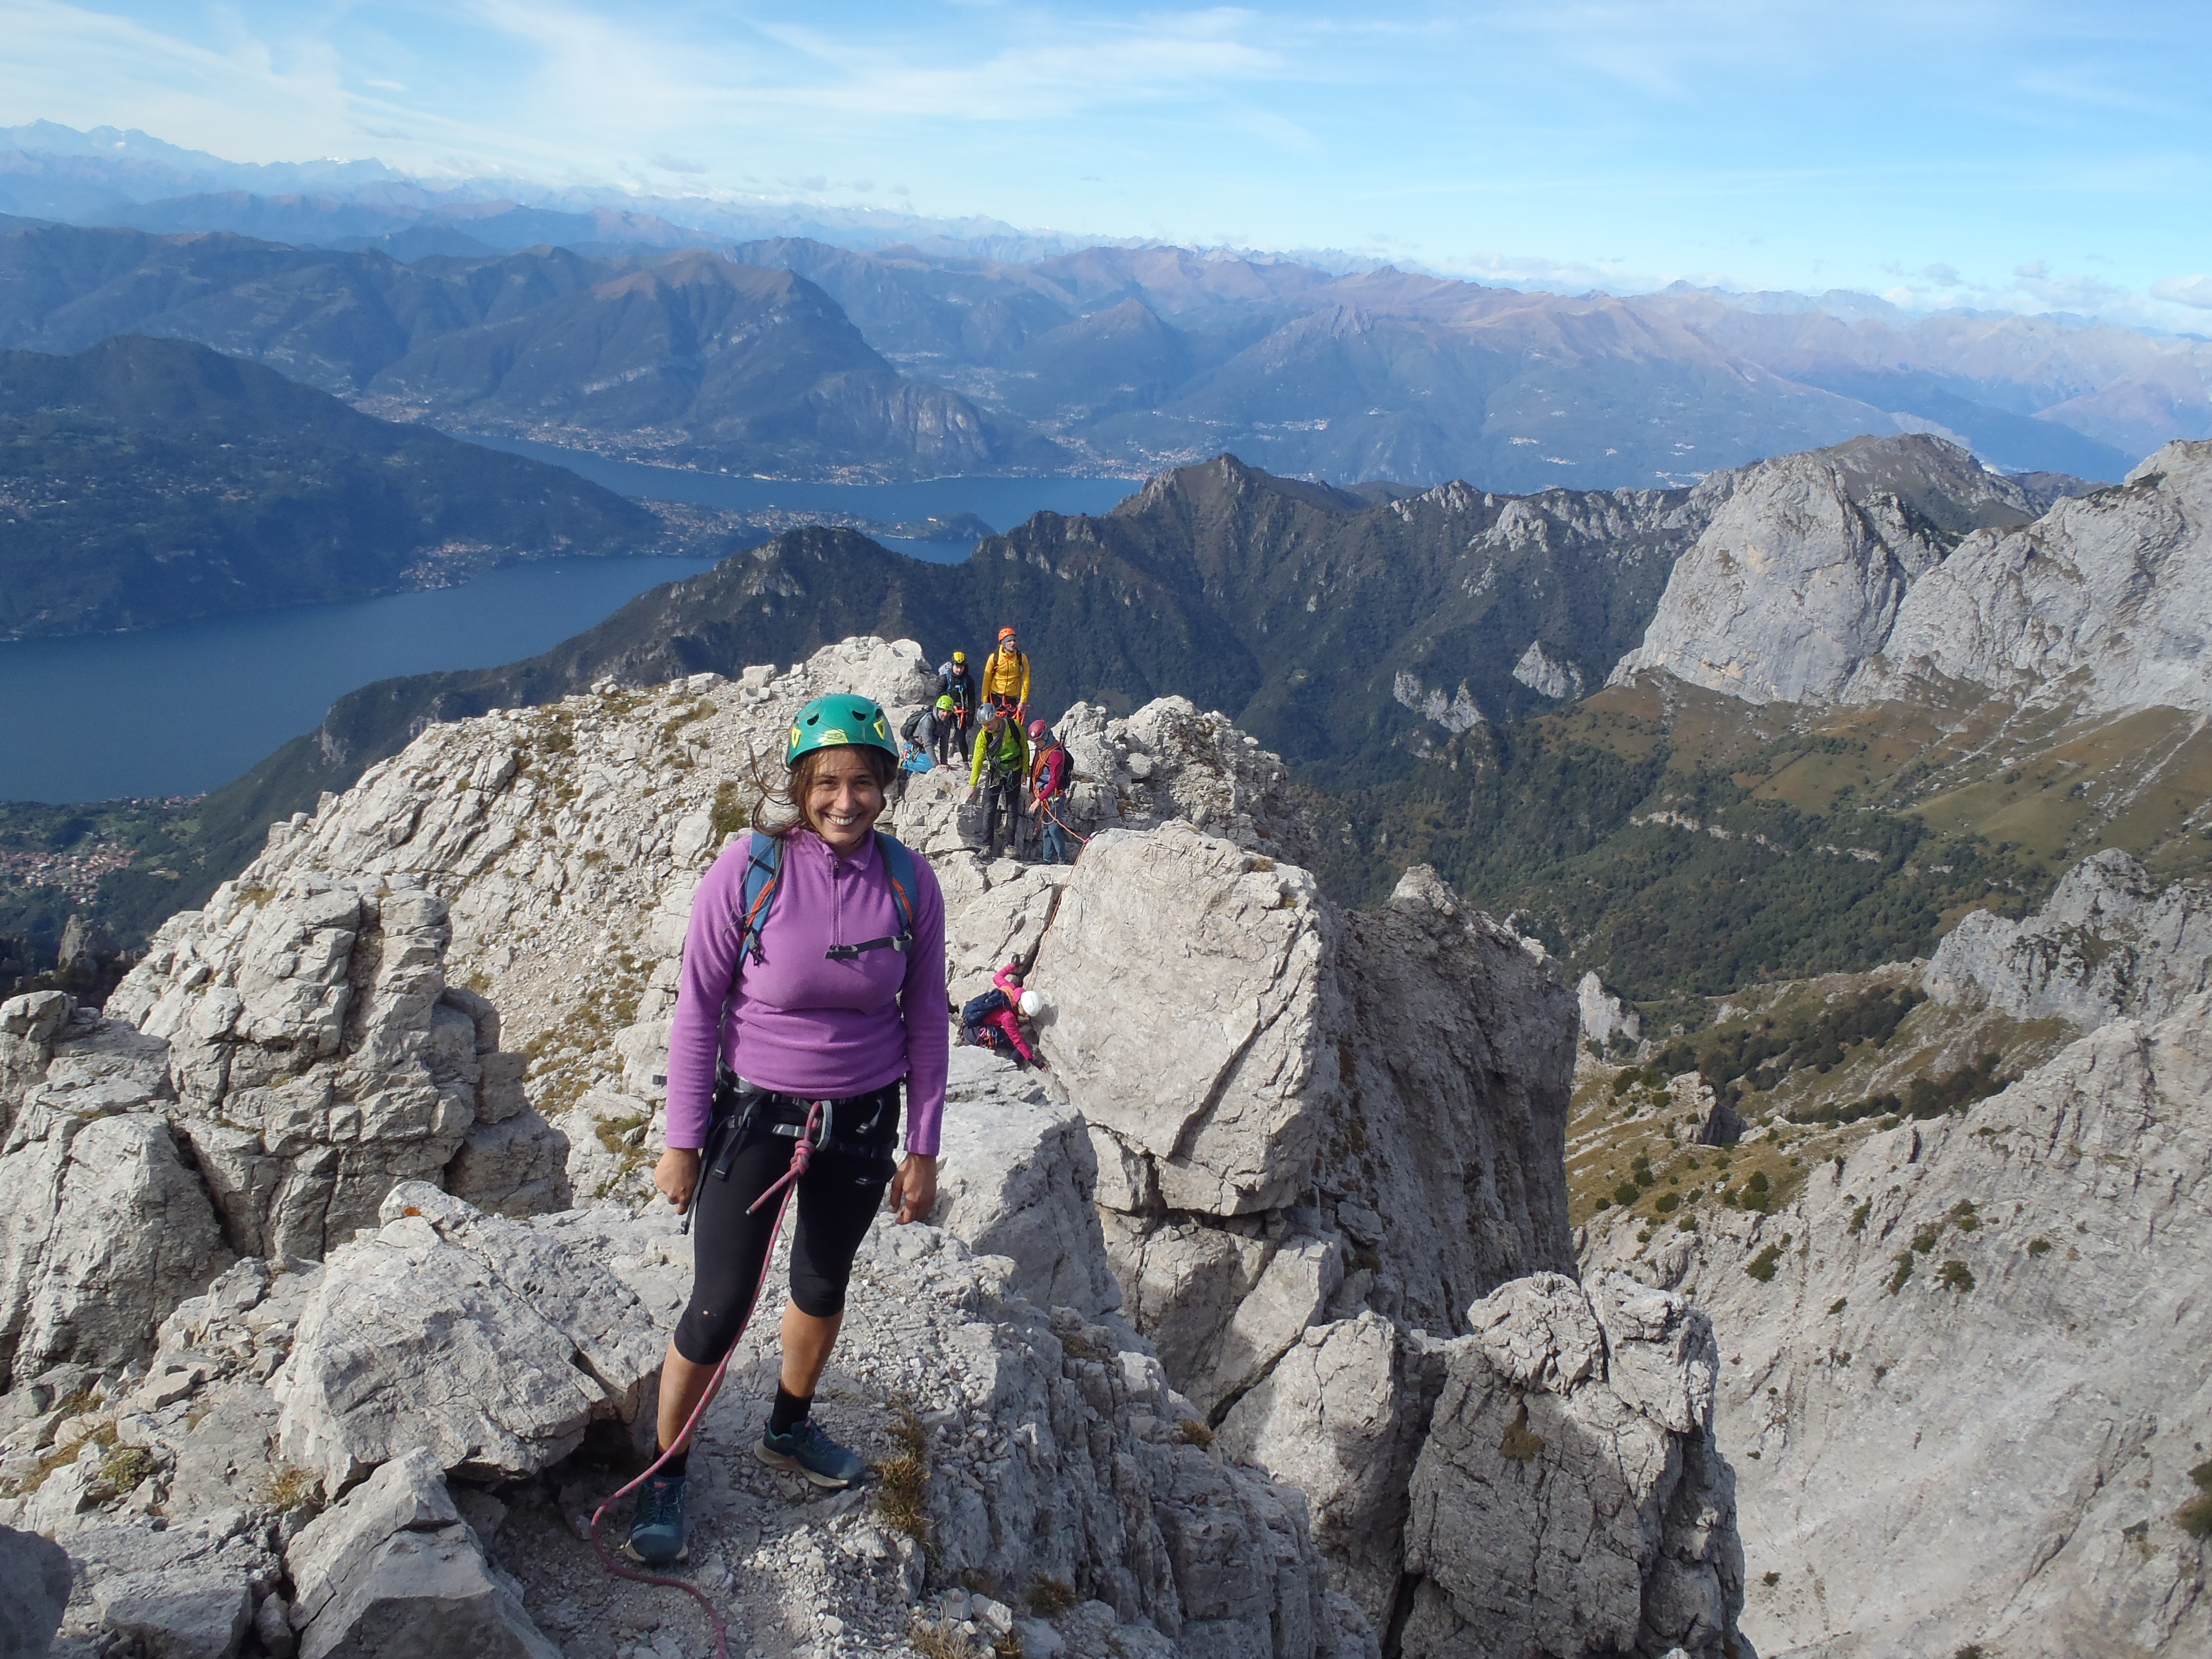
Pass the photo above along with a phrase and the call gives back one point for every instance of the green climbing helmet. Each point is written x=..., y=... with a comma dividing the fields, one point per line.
x=837, y=719
x=945, y=702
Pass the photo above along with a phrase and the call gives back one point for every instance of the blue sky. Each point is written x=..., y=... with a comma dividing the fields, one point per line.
x=2023, y=156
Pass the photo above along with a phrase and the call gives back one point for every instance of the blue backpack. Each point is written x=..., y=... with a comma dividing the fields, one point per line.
x=764, y=874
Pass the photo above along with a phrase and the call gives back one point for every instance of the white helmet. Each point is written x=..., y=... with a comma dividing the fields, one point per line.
x=1032, y=1004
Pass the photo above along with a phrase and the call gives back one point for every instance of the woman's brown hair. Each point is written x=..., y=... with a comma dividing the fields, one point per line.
x=776, y=810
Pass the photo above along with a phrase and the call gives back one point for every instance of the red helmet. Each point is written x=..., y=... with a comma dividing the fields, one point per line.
x=1037, y=729
x=1006, y=634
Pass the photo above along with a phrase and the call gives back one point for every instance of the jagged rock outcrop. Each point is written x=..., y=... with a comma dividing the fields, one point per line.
x=1240, y=1047
x=1570, y=1498
x=1821, y=579
x=191, y=1588
x=317, y=1055
x=1019, y=1179
x=2038, y=1259
x=2109, y=942
x=1603, y=1015
x=394, y=1571
x=298, y=1046
x=1798, y=577
x=103, y=1229
x=1341, y=1416
x=2104, y=600
x=492, y=1343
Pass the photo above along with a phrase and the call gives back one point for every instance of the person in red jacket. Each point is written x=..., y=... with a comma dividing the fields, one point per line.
x=1051, y=776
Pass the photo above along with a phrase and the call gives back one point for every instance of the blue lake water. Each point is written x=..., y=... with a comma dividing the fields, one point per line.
x=1001, y=503
x=177, y=711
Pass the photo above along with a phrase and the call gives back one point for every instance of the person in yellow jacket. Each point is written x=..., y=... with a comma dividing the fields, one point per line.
x=1000, y=770
x=1007, y=676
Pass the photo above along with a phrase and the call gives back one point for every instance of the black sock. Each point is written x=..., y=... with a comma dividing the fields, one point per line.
x=678, y=1466
x=789, y=1411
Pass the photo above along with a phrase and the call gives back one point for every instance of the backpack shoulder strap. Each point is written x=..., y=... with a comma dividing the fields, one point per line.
x=898, y=865
x=763, y=875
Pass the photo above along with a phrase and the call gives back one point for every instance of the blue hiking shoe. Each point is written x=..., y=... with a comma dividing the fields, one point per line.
x=808, y=1452
x=656, y=1531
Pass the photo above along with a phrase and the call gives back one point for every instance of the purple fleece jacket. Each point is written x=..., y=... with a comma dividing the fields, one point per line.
x=796, y=1022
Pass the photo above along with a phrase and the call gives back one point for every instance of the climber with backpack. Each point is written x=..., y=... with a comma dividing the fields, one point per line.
x=1051, y=777
x=812, y=994
x=992, y=1020
x=999, y=773
x=957, y=680
x=935, y=731
x=1007, y=677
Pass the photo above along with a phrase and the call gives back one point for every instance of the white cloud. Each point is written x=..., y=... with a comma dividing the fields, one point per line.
x=2195, y=291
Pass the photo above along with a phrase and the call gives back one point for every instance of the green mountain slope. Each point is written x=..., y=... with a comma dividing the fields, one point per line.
x=145, y=482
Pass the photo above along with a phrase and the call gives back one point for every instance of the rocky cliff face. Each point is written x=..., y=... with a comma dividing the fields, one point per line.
x=2038, y=1261
x=1103, y=1436
x=2108, y=944
x=1808, y=586
x=1799, y=576
x=2104, y=600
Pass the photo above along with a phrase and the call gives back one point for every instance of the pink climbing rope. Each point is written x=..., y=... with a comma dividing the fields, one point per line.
x=802, y=1154
x=1063, y=823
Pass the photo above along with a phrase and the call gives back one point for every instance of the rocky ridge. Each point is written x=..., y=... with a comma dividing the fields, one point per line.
x=1804, y=588
x=2109, y=943
x=1067, y=1474
x=1798, y=577
x=2033, y=1257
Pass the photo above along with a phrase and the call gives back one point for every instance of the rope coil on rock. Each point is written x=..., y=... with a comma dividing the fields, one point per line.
x=818, y=1119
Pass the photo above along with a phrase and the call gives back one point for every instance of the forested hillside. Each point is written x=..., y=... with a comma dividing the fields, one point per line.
x=144, y=481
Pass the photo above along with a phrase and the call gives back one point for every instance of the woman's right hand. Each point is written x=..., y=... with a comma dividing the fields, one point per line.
x=677, y=1174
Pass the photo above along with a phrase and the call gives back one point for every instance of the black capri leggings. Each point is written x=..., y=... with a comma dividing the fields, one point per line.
x=837, y=1200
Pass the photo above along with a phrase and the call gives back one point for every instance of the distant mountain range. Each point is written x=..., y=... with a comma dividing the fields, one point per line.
x=1433, y=664
x=144, y=481
x=1377, y=639
x=939, y=351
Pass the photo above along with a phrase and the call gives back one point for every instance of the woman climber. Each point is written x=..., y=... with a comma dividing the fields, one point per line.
x=813, y=987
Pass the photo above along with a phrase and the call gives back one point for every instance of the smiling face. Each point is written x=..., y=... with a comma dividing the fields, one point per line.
x=840, y=795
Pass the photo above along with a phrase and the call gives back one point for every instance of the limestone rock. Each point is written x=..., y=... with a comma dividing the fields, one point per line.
x=994, y=913
x=316, y=1055
x=102, y=1230
x=1546, y=675
x=1559, y=1506
x=2109, y=942
x=2037, y=1260
x=28, y=1027
x=1604, y=1017
x=34, y=1587
x=491, y=1342
x=2103, y=600
x=394, y=1571
x=1340, y=1417
x=187, y=1589
x=1018, y=1179
x=1217, y=1075
x=1798, y=577
x=1266, y=1079
x=1451, y=1122
x=1062, y=1455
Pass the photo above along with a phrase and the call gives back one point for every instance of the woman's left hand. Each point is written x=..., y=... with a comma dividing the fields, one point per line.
x=914, y=1188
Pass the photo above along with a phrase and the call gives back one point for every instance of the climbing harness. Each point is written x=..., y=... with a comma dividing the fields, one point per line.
x=815, y=1133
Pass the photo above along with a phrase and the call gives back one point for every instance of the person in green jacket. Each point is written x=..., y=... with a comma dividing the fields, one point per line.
x=998, y=771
